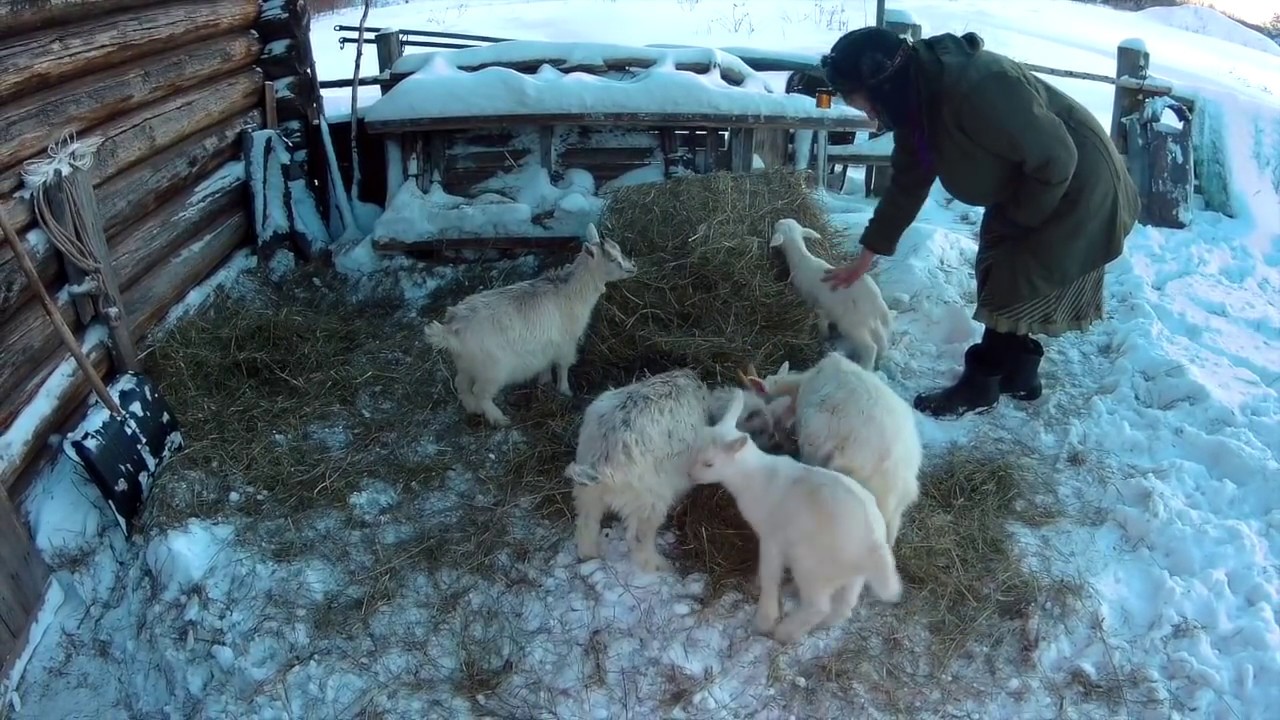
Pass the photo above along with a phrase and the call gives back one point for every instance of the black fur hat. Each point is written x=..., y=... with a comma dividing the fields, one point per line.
x=863, y=59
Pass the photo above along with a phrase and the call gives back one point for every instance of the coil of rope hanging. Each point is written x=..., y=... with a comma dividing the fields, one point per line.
x=66, y=155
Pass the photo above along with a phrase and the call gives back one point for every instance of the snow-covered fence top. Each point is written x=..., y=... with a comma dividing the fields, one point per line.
x=585, y=83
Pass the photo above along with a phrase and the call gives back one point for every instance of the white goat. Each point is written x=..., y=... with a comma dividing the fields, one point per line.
x=847, y=419
x=858, y=311
x=632, y=456
x=818, y=522
x=510, y=334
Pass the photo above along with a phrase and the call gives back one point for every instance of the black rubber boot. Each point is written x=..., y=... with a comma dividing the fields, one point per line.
x=977, y=389
x=1021, y=380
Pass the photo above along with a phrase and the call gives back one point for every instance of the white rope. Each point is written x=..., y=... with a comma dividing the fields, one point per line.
x=66, y=156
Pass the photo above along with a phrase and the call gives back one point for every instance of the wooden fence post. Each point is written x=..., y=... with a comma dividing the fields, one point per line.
x=389, y=51
x=1132, y=61
x=1161, y=161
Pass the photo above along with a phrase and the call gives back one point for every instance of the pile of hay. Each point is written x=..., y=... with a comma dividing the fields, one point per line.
x=709, y=295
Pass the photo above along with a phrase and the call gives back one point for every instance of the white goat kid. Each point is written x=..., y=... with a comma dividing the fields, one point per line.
x=511, y=334
x=818, y=522
x=632, y=458
x=847, y=419
x=632, y=455
x=858, y=311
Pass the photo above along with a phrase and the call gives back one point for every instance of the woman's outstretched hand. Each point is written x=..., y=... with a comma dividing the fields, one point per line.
x=843, y=277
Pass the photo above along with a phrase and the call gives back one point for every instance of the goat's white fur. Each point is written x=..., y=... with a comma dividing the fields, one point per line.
x=632, y=456
x=858, y=311
x=511, y=334
x=847, y=419
x=818, y=522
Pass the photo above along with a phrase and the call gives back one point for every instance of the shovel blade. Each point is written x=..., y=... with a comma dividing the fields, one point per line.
x=123, y=455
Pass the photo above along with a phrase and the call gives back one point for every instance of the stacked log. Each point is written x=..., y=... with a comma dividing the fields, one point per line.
x=287, y=62
x=167, y=87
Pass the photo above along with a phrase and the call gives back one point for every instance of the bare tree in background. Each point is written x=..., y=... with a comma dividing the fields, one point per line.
x=355, y=96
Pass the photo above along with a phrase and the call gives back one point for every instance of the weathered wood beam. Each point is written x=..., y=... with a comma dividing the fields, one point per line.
x=30, y=123
x=52, y=57
x=136, y=136
x=135, y=193
x=21, y=17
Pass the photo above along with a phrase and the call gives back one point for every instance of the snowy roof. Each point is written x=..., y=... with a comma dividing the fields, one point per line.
x=590, y=82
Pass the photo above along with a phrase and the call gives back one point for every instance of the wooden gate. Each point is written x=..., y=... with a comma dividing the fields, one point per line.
x=23, y=576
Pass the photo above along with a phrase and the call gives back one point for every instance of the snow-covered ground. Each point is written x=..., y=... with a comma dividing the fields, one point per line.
x=1164, y=420
x=1209, y=22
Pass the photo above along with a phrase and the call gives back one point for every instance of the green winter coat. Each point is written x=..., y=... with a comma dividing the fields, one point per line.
x=1059, y=202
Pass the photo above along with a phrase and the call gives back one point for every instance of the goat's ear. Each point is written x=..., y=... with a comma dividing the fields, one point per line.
x=784, y=368
x=776, y=240
x=734, y=446
x=757, y=385
x=589, y=249
x=593, y=236
x=810, y=234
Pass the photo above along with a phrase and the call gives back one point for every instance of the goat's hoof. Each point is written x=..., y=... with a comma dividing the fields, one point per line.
x=500, y=421
x=588, y=550
x=565, y=391
x=544, y=378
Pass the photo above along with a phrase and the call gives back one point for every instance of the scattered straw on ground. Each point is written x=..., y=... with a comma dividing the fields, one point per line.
x=295, y=398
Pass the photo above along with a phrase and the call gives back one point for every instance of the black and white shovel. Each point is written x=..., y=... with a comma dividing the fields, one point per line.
x=127, y=437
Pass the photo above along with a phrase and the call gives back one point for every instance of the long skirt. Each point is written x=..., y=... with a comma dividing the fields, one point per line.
x=1074, y=307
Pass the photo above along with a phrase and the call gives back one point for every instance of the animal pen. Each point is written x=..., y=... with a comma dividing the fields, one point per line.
x=183, y=102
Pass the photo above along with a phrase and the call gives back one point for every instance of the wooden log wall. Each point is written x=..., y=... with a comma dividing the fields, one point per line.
x=167, y=87
x=284, y=27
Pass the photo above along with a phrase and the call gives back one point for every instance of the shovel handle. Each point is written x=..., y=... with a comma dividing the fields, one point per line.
x=69, y=339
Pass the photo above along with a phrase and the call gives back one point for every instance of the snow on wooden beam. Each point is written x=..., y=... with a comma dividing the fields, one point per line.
x=451, y=90
x=675, y=120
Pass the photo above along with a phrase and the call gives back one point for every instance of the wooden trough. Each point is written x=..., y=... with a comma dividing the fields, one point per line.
x=588, y=107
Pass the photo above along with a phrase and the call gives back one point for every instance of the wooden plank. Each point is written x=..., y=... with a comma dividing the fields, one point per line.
x=139, y=135
x=30, y=123
x=24, y=572
x=48, y=58
x=21, y=17
x=485, y=159
x=576, y=156
x=656, y=119
x=134, y=193
x=150, y=299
